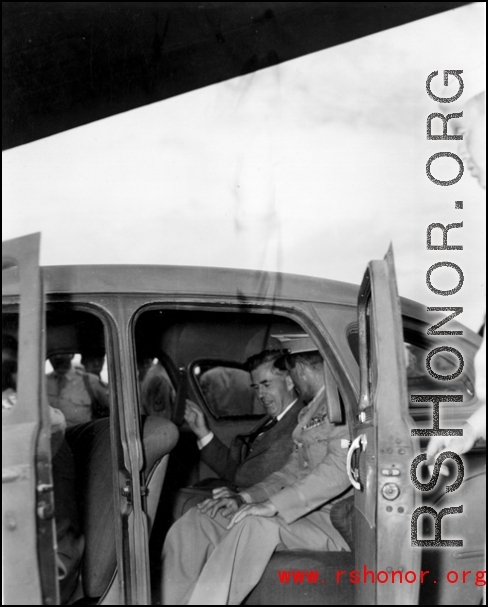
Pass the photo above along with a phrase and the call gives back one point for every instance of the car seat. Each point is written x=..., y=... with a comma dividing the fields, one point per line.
x=91, y=447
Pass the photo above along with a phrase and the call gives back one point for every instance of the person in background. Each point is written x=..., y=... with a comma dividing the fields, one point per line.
x=9, y=390
x=93, y=362
x=79, y=395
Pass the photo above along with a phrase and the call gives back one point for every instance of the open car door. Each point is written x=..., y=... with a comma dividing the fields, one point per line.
x=29, y=568
x=382, y=449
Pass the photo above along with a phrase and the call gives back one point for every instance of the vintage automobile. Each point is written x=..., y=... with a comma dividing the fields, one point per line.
x=198, y=322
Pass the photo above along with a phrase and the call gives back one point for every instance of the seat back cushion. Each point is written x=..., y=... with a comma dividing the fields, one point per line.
x=90, y=444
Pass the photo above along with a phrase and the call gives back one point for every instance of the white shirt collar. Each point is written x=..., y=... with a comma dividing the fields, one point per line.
x=282, y=414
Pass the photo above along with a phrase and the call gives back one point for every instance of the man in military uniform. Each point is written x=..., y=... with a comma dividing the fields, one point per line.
x=218, y=552
x=79, y=395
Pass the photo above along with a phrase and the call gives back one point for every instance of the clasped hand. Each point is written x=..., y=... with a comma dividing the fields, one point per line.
x=236, y=508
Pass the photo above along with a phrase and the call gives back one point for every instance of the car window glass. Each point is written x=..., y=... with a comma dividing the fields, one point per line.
x=226, y=389
x=419, y=379
x=416, y=349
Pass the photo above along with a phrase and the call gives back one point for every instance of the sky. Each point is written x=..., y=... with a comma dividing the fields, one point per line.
x=312, y=167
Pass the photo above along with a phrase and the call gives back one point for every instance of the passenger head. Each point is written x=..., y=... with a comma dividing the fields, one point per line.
x=271, y=381
x=9, y=362
x=93, y=362
x=61, y=363
x=307, y=371
x=472, y=149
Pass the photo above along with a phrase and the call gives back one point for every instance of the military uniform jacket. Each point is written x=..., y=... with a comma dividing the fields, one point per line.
x=315, y=473
x=80, y=396
x=244, y=465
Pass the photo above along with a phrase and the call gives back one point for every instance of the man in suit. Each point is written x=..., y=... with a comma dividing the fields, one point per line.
x=253, y=456
x=218, y=552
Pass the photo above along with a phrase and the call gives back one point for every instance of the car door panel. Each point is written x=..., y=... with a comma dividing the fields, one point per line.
x=382, y=448
x=28, y=502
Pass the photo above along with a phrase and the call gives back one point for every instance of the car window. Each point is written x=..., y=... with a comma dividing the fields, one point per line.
x=226, y=389
x=201, y=355
x=76, y=365
x=416, y=349
x=76, y=393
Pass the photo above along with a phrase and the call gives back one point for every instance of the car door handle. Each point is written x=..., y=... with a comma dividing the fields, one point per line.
x=359, y=442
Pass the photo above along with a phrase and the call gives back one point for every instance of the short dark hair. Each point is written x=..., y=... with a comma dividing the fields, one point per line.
x=267, y=356
x=93, y=354
x=311, y=359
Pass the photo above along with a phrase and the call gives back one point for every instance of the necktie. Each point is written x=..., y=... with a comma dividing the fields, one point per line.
x=264, y=428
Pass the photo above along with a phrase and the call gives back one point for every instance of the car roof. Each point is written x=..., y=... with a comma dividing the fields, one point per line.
x=188, y=280
x=200, y=281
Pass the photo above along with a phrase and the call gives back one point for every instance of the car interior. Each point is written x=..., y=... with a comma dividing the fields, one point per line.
x=200, y=355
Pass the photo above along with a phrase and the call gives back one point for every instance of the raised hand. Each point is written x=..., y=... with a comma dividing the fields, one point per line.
x=195, y=418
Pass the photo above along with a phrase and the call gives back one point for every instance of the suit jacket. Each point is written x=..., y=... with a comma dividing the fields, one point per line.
x=244, y=467
x=315, y=474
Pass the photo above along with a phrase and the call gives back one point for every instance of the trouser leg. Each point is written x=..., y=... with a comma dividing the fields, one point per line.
x=204, y=564
x=313, y=532
x=238, y=563
x=188, y=545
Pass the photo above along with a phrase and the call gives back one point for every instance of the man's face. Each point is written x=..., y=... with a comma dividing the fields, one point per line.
x=302, y=377
x=472, y=149
x=274, y=390
x=61, y=363
x=93, y=364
